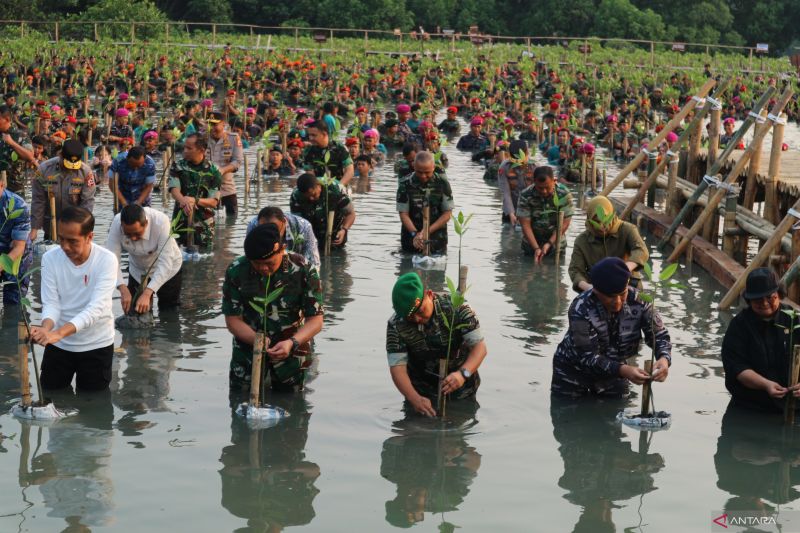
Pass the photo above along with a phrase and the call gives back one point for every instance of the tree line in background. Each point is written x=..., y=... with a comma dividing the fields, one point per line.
x=733, y=22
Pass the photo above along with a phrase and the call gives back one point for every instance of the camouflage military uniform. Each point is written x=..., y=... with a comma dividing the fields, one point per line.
x=588, y=359
x=314, y=156
x=315, y=212
x=543, y=213
x=70, y=187
x=402, y=168
x=12, y=164
x=198, y=181
x=412, y=196
x=301, y=298
x=420, y=347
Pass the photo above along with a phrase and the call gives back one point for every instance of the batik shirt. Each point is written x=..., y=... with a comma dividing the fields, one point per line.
x=133, y=181
x=301, y=298
x=597, y=344
x=420, y=346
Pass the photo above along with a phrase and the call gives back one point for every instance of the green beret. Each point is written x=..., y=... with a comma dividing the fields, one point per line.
x=407, y=294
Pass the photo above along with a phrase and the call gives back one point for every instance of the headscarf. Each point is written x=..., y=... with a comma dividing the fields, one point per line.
x=602, y=203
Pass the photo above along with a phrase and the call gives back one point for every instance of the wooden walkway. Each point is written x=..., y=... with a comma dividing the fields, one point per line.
x=788, y=179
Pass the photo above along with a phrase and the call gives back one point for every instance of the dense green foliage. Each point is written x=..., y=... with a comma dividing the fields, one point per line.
x=733, y=22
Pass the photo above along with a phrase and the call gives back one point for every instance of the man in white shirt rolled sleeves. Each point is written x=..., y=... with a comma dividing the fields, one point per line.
x=145, y=234
x=77, y=330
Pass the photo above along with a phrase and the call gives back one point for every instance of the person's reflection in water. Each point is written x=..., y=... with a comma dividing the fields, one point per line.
x=599, y=467
x=74, y=474
x=266, y=478
x=144, y=384
x=757, y=461
x=336, y=285
x=431, y=463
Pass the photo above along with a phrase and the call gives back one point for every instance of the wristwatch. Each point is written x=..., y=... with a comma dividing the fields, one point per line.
x=464, y=372
x=413, y=233
x=295, y=345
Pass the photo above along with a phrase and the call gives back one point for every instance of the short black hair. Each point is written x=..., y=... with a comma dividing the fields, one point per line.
x=5, y=111
x=543, y=172
x=200, y=141
x=78, y=215
x=270, y=212
x=363, y=157
x=408, y=148
x=319, y=125
x=306, y=182
x=135, y=152
x=133, y=213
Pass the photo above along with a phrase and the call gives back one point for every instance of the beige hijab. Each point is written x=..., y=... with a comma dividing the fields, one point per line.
x=599, y=209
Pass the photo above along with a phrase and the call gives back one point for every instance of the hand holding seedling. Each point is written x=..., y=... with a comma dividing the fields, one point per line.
x=634, y=374
x=280, y=351
x=422, y=405
x=660, y=370
x=453, y=382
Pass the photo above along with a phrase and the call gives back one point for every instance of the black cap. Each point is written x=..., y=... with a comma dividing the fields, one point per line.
x=761, y=282
x=216, y=116
x=260, y=243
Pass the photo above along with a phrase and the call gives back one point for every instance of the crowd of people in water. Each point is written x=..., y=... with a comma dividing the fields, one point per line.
x=72, y=130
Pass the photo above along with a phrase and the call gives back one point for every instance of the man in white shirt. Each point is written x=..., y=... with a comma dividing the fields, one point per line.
x=77, y=330
x=146, y=235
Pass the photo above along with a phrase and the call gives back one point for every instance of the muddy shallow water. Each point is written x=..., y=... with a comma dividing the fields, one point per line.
x=161, y=451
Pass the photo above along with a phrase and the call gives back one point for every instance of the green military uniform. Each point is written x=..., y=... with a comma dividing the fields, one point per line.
x=198, y=181
x=316, y=212
x=412, y=196
x=12, y=164
x=301, y=298
x=402, y=168
x=420, y=347
x=314, y=158
x=543, y=213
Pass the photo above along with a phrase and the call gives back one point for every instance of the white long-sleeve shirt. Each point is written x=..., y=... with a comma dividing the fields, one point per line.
x=80, y=295
x=142, y=253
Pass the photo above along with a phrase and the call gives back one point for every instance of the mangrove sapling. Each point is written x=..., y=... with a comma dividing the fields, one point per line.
x=663, y=280
x=602, y=223
x=794, y=323
x=326, y=181
x=456, y=295
x=43, y=409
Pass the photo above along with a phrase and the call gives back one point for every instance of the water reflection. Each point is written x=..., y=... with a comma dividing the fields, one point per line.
x=266, y=478
x=432, y=467
x=144, y=384
x=74, y=472
x=757, y=461
x=540, y=297
x=600, y=468
x=337, y=283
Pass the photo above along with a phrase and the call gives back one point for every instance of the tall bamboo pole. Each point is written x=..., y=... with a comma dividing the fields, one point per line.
x=771, y=186
x=24, y=375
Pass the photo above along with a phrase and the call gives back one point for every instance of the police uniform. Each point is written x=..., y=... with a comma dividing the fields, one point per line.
x=69, y=187
x=420, y=346
x=222, y=152
x=198, y=181
x=543, y=213
x=301, y=299
x=412, y=196
x=597, y=344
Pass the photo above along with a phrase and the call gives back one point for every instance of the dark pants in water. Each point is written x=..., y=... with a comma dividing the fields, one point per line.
x=169, y=295
x=231, y=204
x=91, y=369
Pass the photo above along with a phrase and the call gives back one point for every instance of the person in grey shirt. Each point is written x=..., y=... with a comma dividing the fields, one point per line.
x=299, y=238
x=225, y=151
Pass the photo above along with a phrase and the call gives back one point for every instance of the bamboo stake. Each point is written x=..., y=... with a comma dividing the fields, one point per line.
x=53, y=221
x=559, y=225
x=329, y=232
x=24, y=375
x=190, y=233
x=729, y=240
x=462, y=278
x=648, y=367
x=773, y=175
x=426, y=229
x=116, y=193
x=714, y=200
x=762, y=255
x=255, y=377
x=752, y=169
x=793, y=378
x=676, y=120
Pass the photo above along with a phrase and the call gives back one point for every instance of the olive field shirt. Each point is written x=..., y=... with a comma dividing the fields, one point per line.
x=588, y=249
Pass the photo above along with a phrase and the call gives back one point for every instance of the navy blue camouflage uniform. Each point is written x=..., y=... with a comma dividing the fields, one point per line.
x=588, y=359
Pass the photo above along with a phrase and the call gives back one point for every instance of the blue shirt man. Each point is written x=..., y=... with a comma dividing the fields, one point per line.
x=15, y=228
x=137, y=176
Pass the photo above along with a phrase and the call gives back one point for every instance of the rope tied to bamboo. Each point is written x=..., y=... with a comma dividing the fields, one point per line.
x=716, y=105
x=651, y=155
x=759, y=119
x=776, y=119
x=796, y=214
x=700, y=101
x=714, y=181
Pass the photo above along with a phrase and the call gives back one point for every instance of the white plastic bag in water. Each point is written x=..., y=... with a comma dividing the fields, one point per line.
x=653, y=422
x=40, y=413
x=430, y=262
